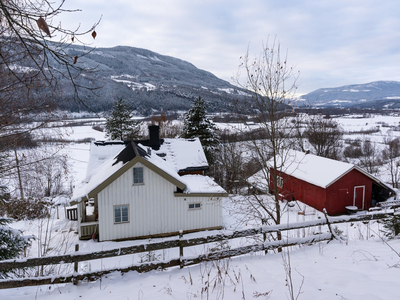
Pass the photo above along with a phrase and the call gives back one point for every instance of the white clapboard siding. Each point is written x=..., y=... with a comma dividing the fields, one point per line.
x=153, y=208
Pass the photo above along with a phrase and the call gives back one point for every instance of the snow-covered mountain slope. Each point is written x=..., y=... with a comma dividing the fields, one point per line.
x=147, y=80
x=376, y=94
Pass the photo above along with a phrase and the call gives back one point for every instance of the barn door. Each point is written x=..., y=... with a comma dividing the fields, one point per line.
x=359, y=195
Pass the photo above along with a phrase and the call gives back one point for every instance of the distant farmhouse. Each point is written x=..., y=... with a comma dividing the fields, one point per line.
x=324, y=183
x=147, y=188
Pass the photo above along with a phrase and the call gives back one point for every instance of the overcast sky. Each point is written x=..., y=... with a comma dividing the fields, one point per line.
x=331, y=42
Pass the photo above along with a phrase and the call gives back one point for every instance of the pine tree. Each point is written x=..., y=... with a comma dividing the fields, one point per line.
x=12, y=242
x=119, y=125
x=196, y=124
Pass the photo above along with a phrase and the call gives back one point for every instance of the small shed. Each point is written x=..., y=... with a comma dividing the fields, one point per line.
x=325, y=183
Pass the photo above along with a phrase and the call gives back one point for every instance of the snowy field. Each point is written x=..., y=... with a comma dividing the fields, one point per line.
x=361, y=266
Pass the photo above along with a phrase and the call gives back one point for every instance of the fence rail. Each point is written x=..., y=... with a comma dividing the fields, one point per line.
x=179, y=242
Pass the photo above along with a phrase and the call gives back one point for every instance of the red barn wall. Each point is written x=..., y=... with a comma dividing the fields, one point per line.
x=341, y=192
x=334, y=198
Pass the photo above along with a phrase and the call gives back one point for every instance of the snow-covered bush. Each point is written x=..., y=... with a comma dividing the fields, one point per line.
x=391, y=227
x=12, y=242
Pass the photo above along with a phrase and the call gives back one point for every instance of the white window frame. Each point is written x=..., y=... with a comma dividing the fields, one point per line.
x=115, y=207
x=134, y=178
x=279, y=181
x=195, y=206
x=355, y=195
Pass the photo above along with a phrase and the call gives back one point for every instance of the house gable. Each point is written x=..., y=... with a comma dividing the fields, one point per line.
x=128, y=166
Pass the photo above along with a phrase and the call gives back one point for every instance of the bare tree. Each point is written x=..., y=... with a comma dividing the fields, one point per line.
x=229, y=162
x=34, y=55
x=370, y=158
x=272, y=82
x=391, y=154
x=324, y=135
x=32, y=41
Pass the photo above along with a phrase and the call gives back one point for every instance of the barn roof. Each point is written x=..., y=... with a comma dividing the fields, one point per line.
x=317, y=170
x=314, y=169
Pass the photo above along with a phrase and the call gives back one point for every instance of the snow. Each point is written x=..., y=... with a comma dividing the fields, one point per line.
x=361, y=268
x=313, y=168
x=173, y=155
x=183, y=153
x=201, y=184
x=307, y=167
x=99, y=154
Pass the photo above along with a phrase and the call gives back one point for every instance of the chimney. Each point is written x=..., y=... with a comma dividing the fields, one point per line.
x=154, y=138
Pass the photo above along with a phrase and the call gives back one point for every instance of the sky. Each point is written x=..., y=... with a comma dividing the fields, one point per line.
x=330, y=42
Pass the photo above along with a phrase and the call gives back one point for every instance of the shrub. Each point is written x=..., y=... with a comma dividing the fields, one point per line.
x=391, y=227
x=25, y=209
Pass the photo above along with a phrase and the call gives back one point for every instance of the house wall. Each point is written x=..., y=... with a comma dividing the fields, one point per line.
x=153, y=208
x=334, y=198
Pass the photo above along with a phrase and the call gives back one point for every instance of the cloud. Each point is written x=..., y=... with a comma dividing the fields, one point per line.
x=330, y=42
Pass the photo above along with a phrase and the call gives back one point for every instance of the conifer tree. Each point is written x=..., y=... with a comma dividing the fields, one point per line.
x=119, y=125
x=12, y=242
x=196, y=124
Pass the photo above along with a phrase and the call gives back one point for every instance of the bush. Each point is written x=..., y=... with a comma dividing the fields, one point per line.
x=391, y=227
x=352, y=152
x=25, y=209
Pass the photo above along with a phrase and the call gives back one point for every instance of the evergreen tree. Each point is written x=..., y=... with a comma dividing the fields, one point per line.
x=196, y=124
x=119, y=125
x=12, y=243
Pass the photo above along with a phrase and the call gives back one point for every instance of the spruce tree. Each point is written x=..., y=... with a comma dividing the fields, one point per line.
x=196, y=124
x=119, y=125
x=12, y=242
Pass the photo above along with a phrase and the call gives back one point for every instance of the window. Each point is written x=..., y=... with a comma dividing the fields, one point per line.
x=279, y=182
x=138, y=175
x=121, y=214
x=194, y=205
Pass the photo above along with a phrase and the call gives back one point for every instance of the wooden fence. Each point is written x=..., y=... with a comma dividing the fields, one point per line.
x=179, y=242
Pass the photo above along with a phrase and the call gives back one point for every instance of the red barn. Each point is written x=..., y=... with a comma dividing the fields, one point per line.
x=326, y=183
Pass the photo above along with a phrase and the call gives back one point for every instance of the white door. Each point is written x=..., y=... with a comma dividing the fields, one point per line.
x=359, y=195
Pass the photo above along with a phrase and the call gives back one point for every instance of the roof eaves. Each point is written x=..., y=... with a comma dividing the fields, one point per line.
x=375, y=179
x=163, y=174
x=188, y=195
x=113, y=177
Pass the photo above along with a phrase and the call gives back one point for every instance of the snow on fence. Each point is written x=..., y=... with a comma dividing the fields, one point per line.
x=179, y=242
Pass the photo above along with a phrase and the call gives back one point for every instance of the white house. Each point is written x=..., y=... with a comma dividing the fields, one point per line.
x=147, y=188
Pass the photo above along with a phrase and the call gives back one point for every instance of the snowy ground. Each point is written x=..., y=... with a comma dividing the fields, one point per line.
x=361, y=267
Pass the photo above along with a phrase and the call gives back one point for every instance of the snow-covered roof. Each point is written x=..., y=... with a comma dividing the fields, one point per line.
x=317, y=170
x=314, y=169
x=173, y=156
x=180, y=154
x=201, y=184
x=100, y=152
x=183, y=154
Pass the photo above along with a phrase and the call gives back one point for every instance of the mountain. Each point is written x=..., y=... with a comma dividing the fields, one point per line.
x=147, y=80
x=378, y=94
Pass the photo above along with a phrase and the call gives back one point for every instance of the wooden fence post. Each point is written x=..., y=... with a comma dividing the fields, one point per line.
x=75, y=281
x=329, y=224
x=180, y=249
x=264, y=222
